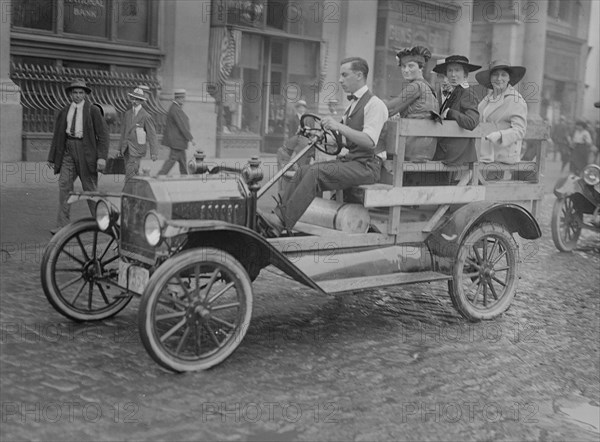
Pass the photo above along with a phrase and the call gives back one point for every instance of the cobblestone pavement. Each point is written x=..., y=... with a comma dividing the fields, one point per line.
x=393, y=364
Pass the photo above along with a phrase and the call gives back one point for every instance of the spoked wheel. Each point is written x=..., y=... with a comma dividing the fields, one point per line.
x=196, y=310
x=79, y=272
x=566, y=224
x=485, y=273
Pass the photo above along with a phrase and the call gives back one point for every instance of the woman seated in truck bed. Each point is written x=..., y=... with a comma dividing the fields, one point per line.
x=502, y=104
x=416, y=100
x=459, y=103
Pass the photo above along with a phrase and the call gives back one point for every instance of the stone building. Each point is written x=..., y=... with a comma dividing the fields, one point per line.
x=244, y=63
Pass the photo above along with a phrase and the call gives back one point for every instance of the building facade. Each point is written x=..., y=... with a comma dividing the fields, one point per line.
x=245, y=63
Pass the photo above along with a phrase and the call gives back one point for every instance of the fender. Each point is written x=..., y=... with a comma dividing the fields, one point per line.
x=566, y=186
x=446, y=239
x=247, y=246
x=114, y=199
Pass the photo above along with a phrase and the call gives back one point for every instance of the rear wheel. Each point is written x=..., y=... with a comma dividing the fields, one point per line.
x=485, y=273
x=195, y=310
x=79, y=272
x=566, y=224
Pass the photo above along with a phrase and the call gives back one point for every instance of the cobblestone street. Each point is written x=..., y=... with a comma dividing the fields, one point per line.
x=391, y=364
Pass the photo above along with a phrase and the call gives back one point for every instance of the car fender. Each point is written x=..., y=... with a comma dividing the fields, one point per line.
x=445, y=240
x=251, y=249
x=113, y=199
x=566, y=186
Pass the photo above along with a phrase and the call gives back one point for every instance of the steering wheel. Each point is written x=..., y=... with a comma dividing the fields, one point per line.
x=319, y=134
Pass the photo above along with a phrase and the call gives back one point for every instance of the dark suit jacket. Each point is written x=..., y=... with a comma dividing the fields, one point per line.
x=129, y=137
x=177, y=130
x=462, y=105
x=95, y=137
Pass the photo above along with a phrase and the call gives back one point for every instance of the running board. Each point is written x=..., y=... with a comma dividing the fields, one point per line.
x=370, y=282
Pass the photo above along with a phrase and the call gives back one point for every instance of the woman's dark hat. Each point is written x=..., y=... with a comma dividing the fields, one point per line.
x=416, y=53
x=78, y=84
x=516, y=73
x=459, y=59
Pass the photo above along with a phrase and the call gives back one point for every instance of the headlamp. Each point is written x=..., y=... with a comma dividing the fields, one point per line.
x=153, y=224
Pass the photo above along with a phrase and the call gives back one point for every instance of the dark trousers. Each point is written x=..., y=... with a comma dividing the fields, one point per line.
x=175, y=156
x=311, y=180
x=132, y=165
x=73, y=166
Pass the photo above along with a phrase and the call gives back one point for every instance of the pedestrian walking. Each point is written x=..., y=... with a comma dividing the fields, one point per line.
x=138, y=132
x=561, y=137
x=79, y=148
x=177, y=134
x=581, y=149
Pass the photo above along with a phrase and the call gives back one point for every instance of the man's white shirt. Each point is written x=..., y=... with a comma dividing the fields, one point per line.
x=376, y=114
x=78, y=121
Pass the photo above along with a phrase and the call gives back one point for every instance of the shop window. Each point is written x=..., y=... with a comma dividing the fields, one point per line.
x=113, y=20
x=86, y=18
x=276, y=13
x=33, y=14
x=132, y=20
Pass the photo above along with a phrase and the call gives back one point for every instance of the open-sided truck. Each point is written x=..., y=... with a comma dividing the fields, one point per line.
x=191, y=246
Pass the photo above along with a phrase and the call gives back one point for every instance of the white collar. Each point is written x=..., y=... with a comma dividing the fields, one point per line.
x=78, y=105
x=360, y=92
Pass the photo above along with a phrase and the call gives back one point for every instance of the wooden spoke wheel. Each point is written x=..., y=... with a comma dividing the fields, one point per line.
x=196, y=309
x=79, y=272
x=485, y=272
x=566, y=224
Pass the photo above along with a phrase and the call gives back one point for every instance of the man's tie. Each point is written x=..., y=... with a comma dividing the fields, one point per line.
x=351, y=97
x=72, y=130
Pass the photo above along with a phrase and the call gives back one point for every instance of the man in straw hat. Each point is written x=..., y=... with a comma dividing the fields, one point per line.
x=459, y=103
x=138, y=132
x=177, y=134
x=79, y=148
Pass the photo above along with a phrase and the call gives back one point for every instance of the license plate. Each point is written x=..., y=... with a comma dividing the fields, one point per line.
x=132, y=277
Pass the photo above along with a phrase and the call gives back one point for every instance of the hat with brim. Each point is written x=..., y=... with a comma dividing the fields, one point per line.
x=138, y=94
x=78, y=84
x=301, y=103
x=442, y=65
x=179, y=92
x=516, y=73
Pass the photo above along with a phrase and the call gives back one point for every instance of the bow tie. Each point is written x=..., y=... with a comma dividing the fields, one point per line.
x=351, y=97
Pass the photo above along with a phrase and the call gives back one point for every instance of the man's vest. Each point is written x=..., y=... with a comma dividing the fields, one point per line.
x=356, y=121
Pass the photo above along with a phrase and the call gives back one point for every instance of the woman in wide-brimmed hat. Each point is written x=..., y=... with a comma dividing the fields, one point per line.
x=459, y=103
x=502, y=104
x=416, y=100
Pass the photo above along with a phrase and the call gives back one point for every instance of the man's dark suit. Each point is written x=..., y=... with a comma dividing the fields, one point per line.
x=95, y=139
x=462, y=107
x=177, y=136
x=78, y=158
x=128, y=144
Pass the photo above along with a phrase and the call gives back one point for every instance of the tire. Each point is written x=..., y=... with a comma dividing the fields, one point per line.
x=566, y=224
x=79, y=272
x=195, y=310
x=485, y=272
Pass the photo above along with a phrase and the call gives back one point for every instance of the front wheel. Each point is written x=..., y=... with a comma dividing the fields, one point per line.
x=79, y=272
x=195, y=310
x=485, y=273
x=566, y=224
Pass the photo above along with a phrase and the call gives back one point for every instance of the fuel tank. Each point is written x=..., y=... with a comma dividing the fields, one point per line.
x=350, y=218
